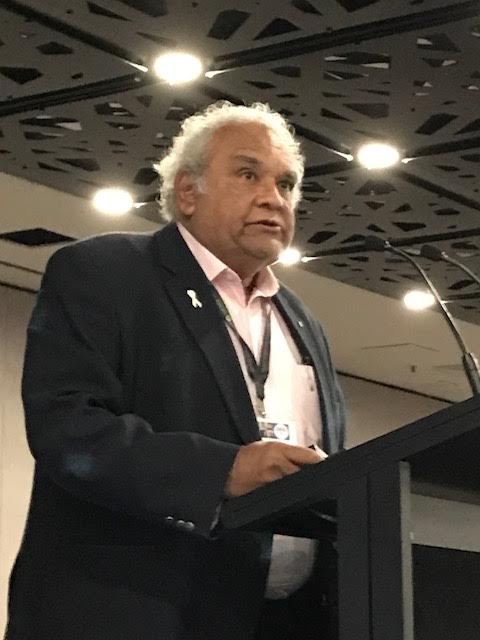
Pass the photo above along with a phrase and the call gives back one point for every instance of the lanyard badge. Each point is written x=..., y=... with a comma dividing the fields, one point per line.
x=272, y=430
x=276, y=431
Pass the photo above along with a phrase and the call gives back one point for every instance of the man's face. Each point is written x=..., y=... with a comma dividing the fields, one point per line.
x=244, y=211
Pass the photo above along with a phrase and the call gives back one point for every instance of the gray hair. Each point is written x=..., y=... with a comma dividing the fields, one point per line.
x=189, y=150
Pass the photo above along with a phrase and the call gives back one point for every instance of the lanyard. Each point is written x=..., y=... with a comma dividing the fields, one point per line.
x=258, y=372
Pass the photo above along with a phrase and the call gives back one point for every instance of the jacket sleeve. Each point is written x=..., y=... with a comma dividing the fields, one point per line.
x=78, y=428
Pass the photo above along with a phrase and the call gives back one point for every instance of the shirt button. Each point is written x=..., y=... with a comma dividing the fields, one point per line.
x=189, y=526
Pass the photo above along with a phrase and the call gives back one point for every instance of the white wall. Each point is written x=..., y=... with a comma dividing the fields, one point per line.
x=15, y=461
x=373, y=410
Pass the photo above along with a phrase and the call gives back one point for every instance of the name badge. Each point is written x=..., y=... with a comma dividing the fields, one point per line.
x=277, y=430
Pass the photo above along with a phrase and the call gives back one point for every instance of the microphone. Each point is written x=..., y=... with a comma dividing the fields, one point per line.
x=469, y=361
x=374, y=243
x=436, y=254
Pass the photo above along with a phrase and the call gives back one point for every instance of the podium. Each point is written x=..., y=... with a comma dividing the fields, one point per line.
x=363, y=497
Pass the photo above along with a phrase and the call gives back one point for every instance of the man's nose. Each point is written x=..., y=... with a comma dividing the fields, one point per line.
x=270, y=195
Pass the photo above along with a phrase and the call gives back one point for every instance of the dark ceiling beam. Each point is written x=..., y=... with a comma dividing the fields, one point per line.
x=100, y=89
x=437, y=189
x=349, y=35
x=70, y=95
x=319, y=138
x=462, y=144
x=216, y=93
x=275, y=52
x=427, y=238
x=76, y=33
x=330, y=167
x=462, y=297
x=130, y=82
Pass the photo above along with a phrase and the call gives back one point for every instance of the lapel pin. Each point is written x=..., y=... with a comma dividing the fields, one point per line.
x=195, y=301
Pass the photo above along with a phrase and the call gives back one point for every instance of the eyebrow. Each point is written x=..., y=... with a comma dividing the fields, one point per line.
x=256, y=163
x=248, y=159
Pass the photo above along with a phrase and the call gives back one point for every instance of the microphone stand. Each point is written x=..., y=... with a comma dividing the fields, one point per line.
x=436, y=254
x=469, y=360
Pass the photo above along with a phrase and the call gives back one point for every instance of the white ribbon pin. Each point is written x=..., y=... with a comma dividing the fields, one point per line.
x=195, y=301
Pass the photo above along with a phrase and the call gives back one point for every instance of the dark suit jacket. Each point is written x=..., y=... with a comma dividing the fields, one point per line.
x=135, y=408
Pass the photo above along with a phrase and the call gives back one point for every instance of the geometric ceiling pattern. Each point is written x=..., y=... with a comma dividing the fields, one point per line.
x=77, y=114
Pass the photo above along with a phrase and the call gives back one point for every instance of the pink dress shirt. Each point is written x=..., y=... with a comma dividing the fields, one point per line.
x=290, y=390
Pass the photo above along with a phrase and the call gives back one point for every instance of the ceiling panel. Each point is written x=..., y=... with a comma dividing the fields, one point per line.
x=76, y=115
x=36, y=59
x=214, y=27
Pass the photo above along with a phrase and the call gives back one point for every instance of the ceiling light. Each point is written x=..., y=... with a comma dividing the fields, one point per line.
x=376, y=155
x=178, y=67
x=290, y=256
x=212, y=74
x=417, y=300
x=113, y=201
x=135, y=65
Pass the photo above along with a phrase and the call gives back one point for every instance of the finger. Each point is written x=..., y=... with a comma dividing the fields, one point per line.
x=321, y=452
x=302, y=455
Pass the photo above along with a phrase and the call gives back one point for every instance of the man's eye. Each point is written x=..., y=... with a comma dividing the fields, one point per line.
x=286, y=185
x=248, y=174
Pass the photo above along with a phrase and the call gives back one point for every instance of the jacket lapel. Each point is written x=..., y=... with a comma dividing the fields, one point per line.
x=313, y=353
x=201, y=317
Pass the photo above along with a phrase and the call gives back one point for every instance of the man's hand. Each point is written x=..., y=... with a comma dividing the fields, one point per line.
x=261, y=462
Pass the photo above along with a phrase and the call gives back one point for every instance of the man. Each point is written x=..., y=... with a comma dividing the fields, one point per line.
x=146, y=408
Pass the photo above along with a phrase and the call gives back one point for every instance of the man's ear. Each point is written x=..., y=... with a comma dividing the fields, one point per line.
x=186, y=192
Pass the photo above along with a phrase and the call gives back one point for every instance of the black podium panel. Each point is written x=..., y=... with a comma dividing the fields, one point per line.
x=389, y=589
x=446, y=586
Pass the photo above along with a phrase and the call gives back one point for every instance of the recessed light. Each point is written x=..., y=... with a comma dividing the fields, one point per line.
x=418, y=300
x=290, y=256
x=113, y=201
x=376, y=155
x=178, y=67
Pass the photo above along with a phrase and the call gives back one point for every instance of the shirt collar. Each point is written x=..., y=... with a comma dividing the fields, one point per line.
x=266, y=283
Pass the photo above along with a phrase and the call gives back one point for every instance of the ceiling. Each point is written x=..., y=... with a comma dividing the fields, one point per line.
x=75, y=115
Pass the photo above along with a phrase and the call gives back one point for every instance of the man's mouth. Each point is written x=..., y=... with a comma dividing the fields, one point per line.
x=267, y=224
